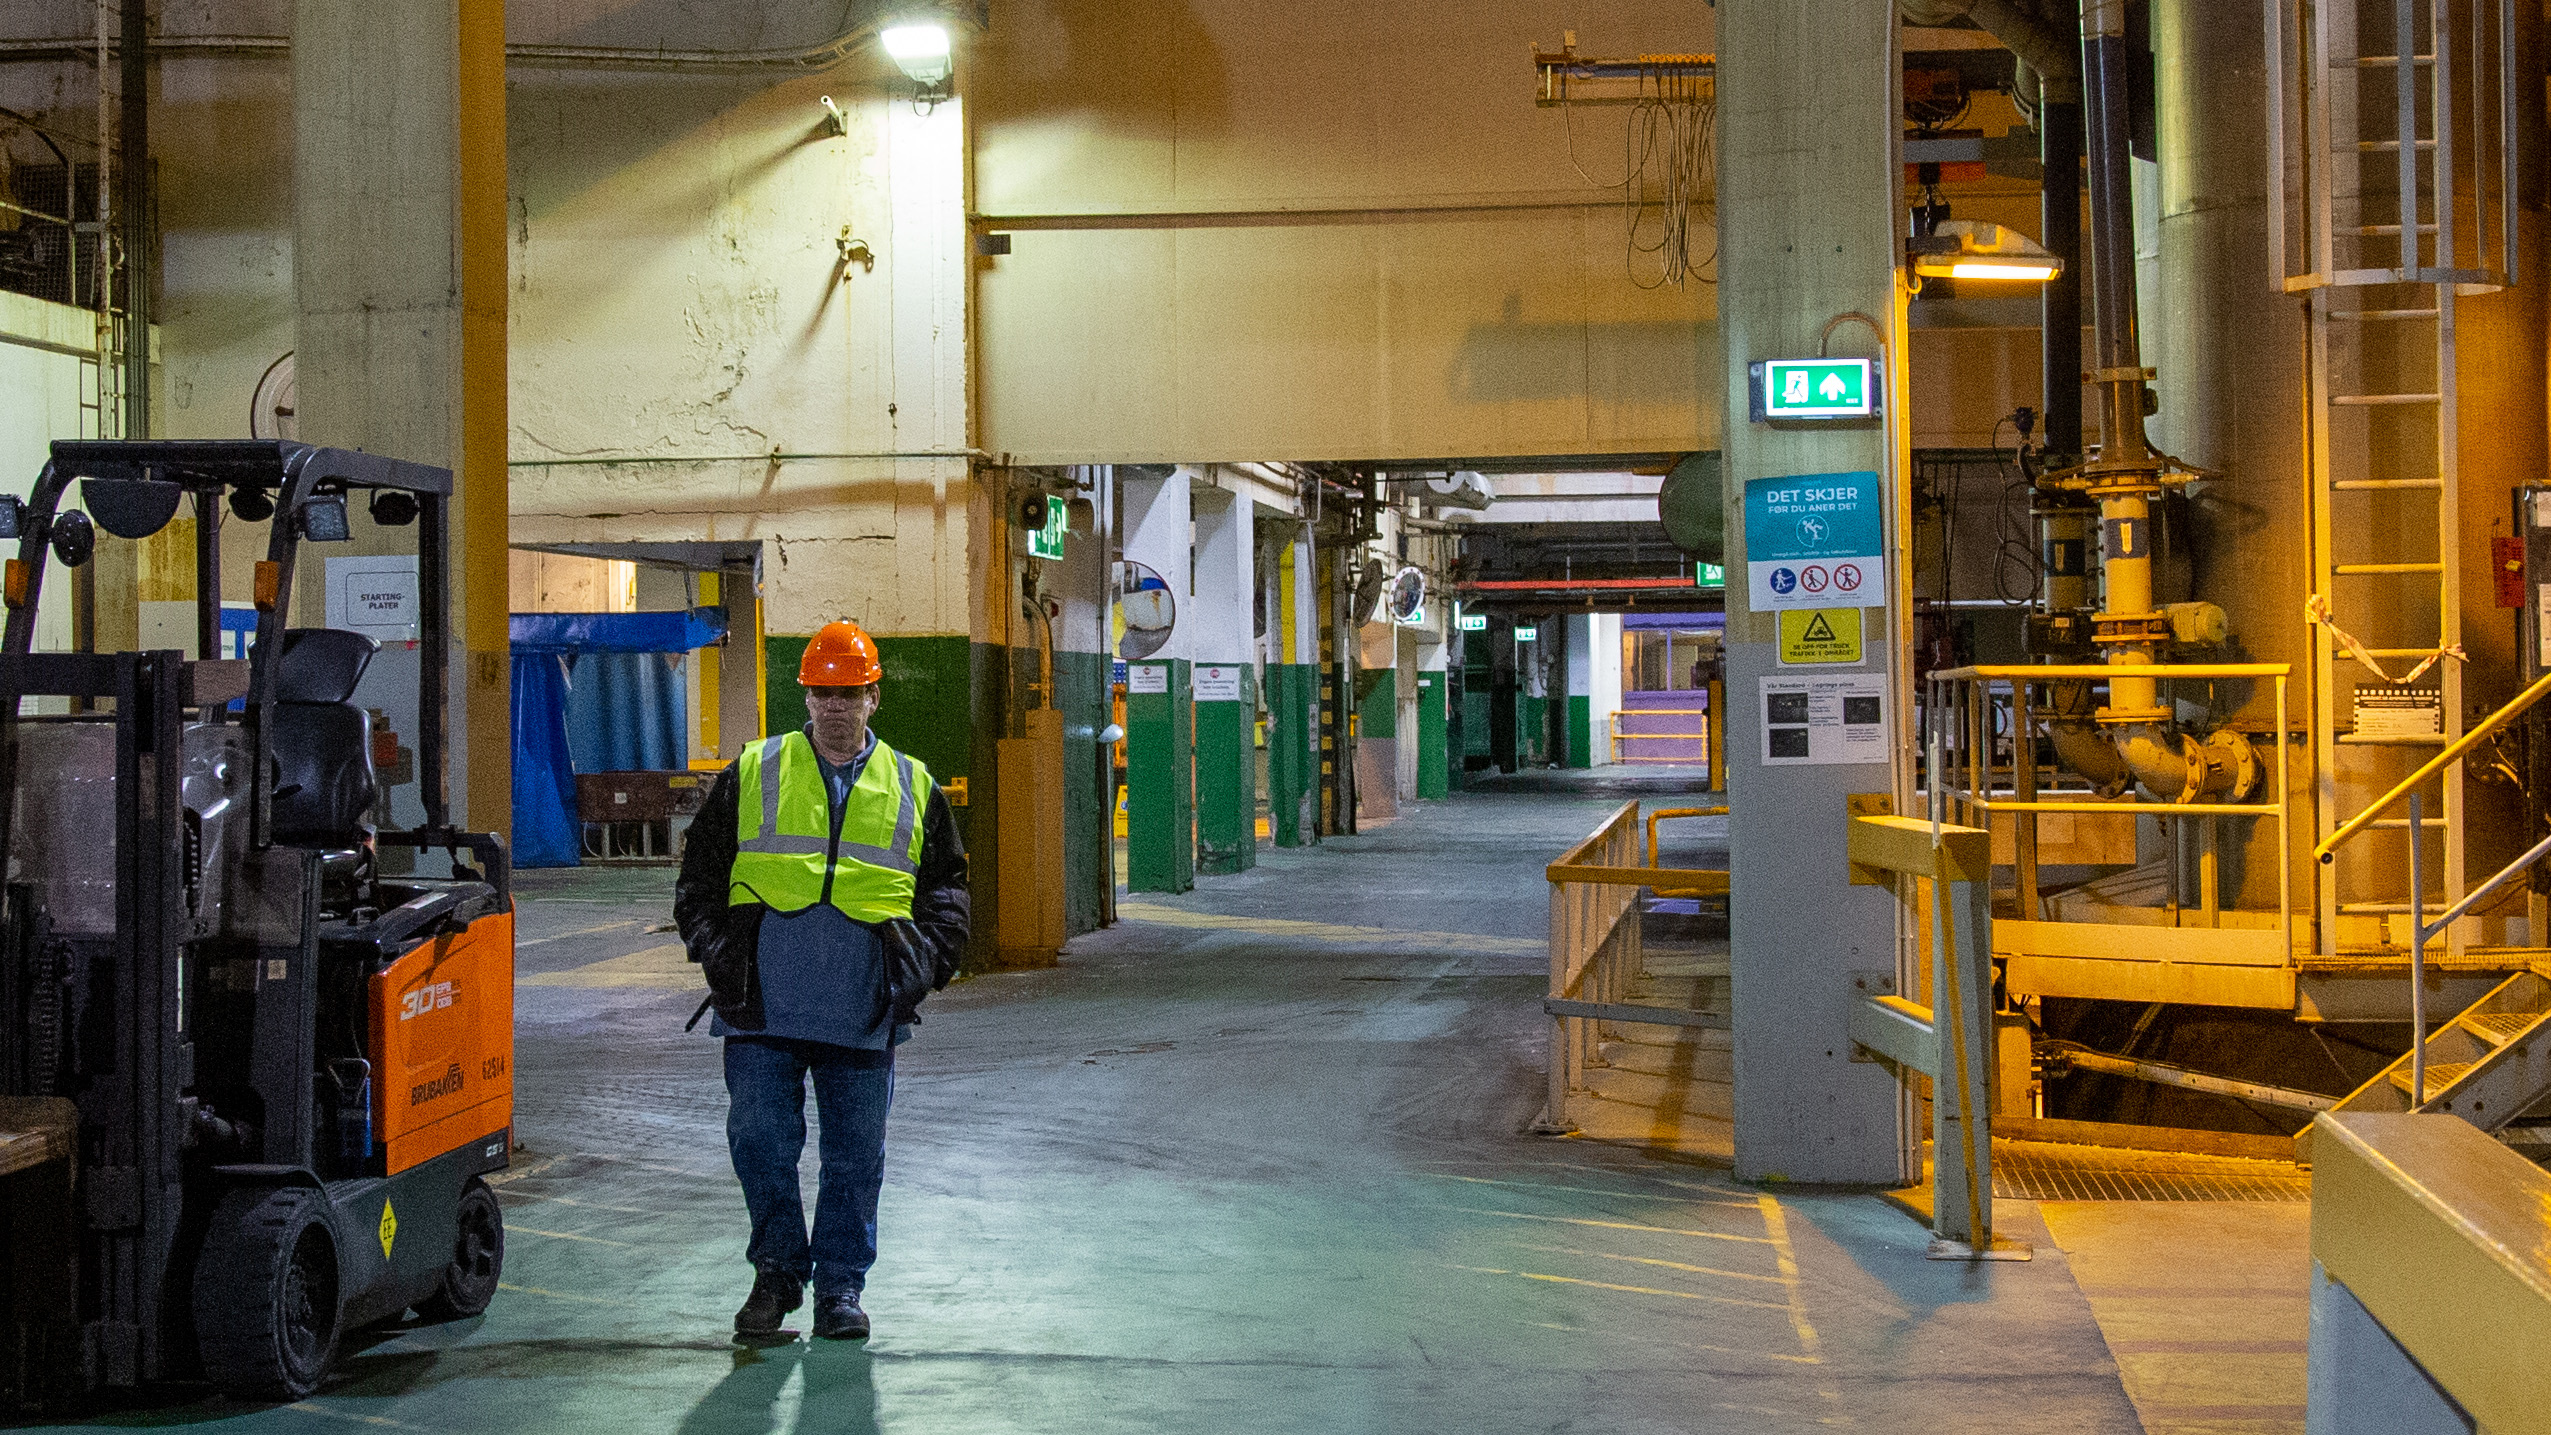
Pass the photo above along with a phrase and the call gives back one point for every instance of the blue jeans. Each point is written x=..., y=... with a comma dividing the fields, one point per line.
x=766, y=1134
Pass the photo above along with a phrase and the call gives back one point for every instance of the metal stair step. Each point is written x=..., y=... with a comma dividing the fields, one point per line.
x=2501, y=1027
x=2369, y=401
x=2440, y=1074
x=2368, y=485
x=2377, y=316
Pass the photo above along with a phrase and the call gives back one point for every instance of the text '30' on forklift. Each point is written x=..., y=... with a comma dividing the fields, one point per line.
x=288, y=1072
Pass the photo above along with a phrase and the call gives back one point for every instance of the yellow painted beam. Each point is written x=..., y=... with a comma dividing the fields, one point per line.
x=1883, y=846
x=2445, y=1237
x=2196, y=983
x=482, y=588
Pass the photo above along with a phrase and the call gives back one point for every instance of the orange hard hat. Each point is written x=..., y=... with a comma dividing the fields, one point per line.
x=841, y=655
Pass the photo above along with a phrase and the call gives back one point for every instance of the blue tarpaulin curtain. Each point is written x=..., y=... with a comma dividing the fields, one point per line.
x=545, y=830
x=593, y=692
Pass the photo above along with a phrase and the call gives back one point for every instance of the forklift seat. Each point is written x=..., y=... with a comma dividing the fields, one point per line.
x=324, y=785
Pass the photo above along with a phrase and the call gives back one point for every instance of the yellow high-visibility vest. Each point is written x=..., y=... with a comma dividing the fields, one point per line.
x=784, y=846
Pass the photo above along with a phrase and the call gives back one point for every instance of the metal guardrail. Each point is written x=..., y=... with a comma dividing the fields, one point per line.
x=1949, y=869
x=2488, y=728
x=2431, y=1278
x=1595, y=953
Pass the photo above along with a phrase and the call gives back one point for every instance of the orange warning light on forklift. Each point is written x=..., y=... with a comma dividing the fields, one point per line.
x=269, y=585
x=17, y=583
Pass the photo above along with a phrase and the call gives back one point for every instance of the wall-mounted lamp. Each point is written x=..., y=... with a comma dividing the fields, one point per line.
x=919, y=48
x=1980, y=249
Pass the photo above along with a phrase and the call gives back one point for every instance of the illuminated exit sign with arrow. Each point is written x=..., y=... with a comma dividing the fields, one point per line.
x=1815, y=389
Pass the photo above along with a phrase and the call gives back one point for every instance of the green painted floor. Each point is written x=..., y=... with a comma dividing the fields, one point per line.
x=1253, y=1160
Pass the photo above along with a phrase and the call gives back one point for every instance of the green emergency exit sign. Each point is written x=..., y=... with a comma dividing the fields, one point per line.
x=1046, y=541
x=1815, y=389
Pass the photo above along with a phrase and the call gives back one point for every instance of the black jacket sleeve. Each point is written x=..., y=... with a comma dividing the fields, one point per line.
x=942, y=904
x=720, y=937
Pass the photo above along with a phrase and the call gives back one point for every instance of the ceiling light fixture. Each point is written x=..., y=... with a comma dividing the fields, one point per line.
x=920, y=49
x=1980, y=249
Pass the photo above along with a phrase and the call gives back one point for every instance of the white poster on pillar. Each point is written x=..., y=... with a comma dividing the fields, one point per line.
x=1813, y=721
x=1217, y=683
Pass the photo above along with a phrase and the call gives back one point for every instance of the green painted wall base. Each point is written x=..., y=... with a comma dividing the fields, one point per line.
x=1580, y=731
x=1532, y=732
x=1227, y=781
x=1293, y=753
x=1160, y=778
x=1089, y=865
x=924, y=703
x=1434, y=778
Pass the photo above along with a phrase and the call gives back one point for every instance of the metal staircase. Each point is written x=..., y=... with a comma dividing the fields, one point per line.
x=2489, y=1066
x=2392, y=175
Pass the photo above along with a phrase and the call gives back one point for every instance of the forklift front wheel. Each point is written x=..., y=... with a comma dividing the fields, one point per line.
x=478, y=1258
x=266, y=1293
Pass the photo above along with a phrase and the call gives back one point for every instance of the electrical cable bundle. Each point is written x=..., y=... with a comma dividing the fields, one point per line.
x=1670, y=149
x=2015, y=543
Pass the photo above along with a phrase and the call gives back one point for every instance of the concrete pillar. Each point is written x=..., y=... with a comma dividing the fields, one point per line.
x=1593, y=663
x=1293, y=693
x=1434, y=762
x=1809, y=215
x=1220, y=645
x=1160, y=734
x=399, y=266
x=1082, y=666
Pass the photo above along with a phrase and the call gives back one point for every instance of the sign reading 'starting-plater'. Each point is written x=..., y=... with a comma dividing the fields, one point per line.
x=1815, y=540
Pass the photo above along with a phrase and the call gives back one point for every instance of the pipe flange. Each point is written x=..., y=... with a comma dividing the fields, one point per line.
x=2130, y=628
x=2129, y=717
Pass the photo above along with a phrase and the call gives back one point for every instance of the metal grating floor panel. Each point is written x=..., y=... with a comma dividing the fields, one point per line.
x=2046, y=1171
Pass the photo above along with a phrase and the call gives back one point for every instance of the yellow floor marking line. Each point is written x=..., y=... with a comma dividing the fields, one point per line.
x=1645, y=1290
x=312, y=1407
x=511, y=1228
x=562, y=1295
x=1776, y=1221
x=579, y=932
x=1650, y=1261
x=581, y=1205
x=1582, y=1190
x=1328, y=931
x=667, y=966
x=1614, y=1225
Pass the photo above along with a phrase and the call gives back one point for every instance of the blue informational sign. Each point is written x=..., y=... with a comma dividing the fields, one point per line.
x=1815, y=540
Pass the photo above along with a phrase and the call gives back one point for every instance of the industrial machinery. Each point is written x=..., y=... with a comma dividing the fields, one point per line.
x=291, y=1070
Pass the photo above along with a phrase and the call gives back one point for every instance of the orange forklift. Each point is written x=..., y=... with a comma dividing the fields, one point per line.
x=286, y=1070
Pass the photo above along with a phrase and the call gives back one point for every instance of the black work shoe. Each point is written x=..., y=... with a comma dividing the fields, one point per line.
x=773, y=1296
x=838, y=1317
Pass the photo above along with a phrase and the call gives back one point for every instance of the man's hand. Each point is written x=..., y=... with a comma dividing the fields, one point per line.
x=908, y=948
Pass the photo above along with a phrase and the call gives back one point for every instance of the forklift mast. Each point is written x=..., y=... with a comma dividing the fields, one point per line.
x=259, y=1030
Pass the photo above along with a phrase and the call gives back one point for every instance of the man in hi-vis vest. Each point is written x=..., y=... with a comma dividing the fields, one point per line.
x=823, y=893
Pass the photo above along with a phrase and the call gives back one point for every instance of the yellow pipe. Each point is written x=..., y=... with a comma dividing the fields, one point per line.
x=2452, y=754
x=1665, y=812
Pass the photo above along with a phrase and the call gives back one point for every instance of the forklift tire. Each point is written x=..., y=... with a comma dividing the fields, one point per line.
x=266, y=1293
x=478, y=1258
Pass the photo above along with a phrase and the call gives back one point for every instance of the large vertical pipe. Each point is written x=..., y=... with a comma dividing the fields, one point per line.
x=2125, y=479
x=2059, y=141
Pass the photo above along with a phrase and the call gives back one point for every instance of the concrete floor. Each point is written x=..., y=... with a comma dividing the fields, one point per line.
x=1253, y=1160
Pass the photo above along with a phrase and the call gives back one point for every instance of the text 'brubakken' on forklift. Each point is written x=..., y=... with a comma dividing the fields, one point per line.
x=289, y=1071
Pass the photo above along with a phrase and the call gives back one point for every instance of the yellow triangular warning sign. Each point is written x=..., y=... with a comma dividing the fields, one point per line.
x=1818, y=630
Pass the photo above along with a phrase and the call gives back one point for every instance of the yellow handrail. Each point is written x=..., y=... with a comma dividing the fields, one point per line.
x=1665, y=812
x=2514, y=709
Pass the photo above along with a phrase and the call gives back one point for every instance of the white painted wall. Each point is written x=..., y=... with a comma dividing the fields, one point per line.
x=1243, y=231
x=1160, y=533
x=1220, y=627
x=40, y=402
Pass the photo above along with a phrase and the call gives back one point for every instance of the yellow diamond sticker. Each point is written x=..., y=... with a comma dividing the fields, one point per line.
x=389, y=1228
x=1810, y=636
